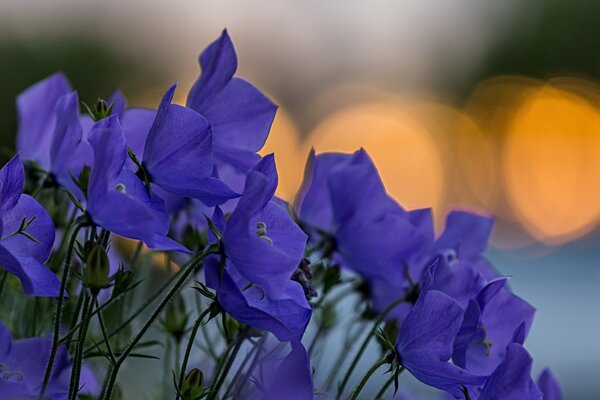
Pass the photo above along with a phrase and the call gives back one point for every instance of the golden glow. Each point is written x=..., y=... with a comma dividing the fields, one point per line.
x=284, y=141
x=551, y=164
x=400, y=146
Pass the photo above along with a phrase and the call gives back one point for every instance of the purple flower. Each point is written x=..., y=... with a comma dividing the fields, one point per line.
x=512, y=379
x=239, y=114
x=23, y=363
x=285, y=317
x=260, y=239
x=343, y=196
x=26, y=234
x=426, y=337
x=37, y=118
x=178, y=154
x=549, y=386
x=292, y=379
x=117, y=199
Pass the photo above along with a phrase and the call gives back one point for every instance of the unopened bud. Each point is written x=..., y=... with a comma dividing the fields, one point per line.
x=192, y=385
x=97, y=267
x=176, y=318
x=123, y=279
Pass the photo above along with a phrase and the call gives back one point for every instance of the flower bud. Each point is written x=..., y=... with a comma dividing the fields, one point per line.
x=176, y=318
x=192, y=385
x=97, y=267
x=123, y=279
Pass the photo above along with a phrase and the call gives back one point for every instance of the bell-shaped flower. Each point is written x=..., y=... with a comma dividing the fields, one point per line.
x=37, y=118
x=239, y=114
x=291, y=380
x=117, y=199
x=261, y=239
x=343, y=198
x=549, y=386
x=285, y=317
x=178, y=154
x=23, y=364
x=426, y=337
x=512, y=378
x=26, y=234
x=490, y=321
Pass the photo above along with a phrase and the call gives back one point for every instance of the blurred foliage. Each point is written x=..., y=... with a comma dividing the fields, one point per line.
x=562, y=40
x=95, y=69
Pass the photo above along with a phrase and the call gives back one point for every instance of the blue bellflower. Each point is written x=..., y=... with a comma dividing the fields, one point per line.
x=261, y=239
x=117, y=199
x=26, y=234
x=549, y=386
x=240, y=115
x=292, y=379
x=343, y=196
x=426, y=337
x=512, y=378
x=23, y=364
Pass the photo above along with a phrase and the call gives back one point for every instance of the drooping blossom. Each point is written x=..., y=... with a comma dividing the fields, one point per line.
x=426, y=337
x=26, y=234
x=117, y=199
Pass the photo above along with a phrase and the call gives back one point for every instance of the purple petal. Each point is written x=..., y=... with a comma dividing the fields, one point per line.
x=36, y=279
x=293, y=379
x=512, y=379
x=12, y=177
x=467, y=233
x=548, y=384
x=286, y=317
x=35, y=108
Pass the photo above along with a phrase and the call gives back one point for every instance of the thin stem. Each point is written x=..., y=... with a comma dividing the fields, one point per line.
x=366, y=378
x=59, y=309
x=145, y=305
x=3, y=277
x=103, y=329
x=188, y=349
x=84, y=320
x=364, y=345
x=88, y=306
x=136, y=254
x=386, y=386
x=215, y=387
x=239, y=371
x=157, y=311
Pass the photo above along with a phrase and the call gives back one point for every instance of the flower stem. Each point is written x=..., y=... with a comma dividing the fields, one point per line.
x=231, y=358
x=387, y=384
x=367, y=376
x=364, y=345
x=88, y=307
x=188, y=349
x=3, y=276
x=58, y=313
x=172, y=292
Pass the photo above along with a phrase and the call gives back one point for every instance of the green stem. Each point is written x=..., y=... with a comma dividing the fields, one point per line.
x=188, y=349
x=3, y=276
x=145, y=305
x=103, y=329
x=364, y=345
x=366, y=378
x=387, y=384
x=59, y=309
x=115, y=369
x=88, y=307
x=221, y=379
x=85, y=320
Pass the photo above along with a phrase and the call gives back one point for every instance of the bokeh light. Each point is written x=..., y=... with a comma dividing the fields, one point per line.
x=551, y=164
x=401, y=147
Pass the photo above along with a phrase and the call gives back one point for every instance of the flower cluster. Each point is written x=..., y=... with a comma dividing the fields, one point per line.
x=187, y=181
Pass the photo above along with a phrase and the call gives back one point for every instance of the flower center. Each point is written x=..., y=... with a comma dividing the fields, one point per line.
x=261, y=232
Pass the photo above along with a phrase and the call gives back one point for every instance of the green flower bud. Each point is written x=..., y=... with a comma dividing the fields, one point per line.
x=176, y=318
x=192, y=385
x=123, y=279
x=96, y=271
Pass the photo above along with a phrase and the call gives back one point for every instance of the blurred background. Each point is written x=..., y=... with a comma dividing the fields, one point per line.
x=485, y=105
